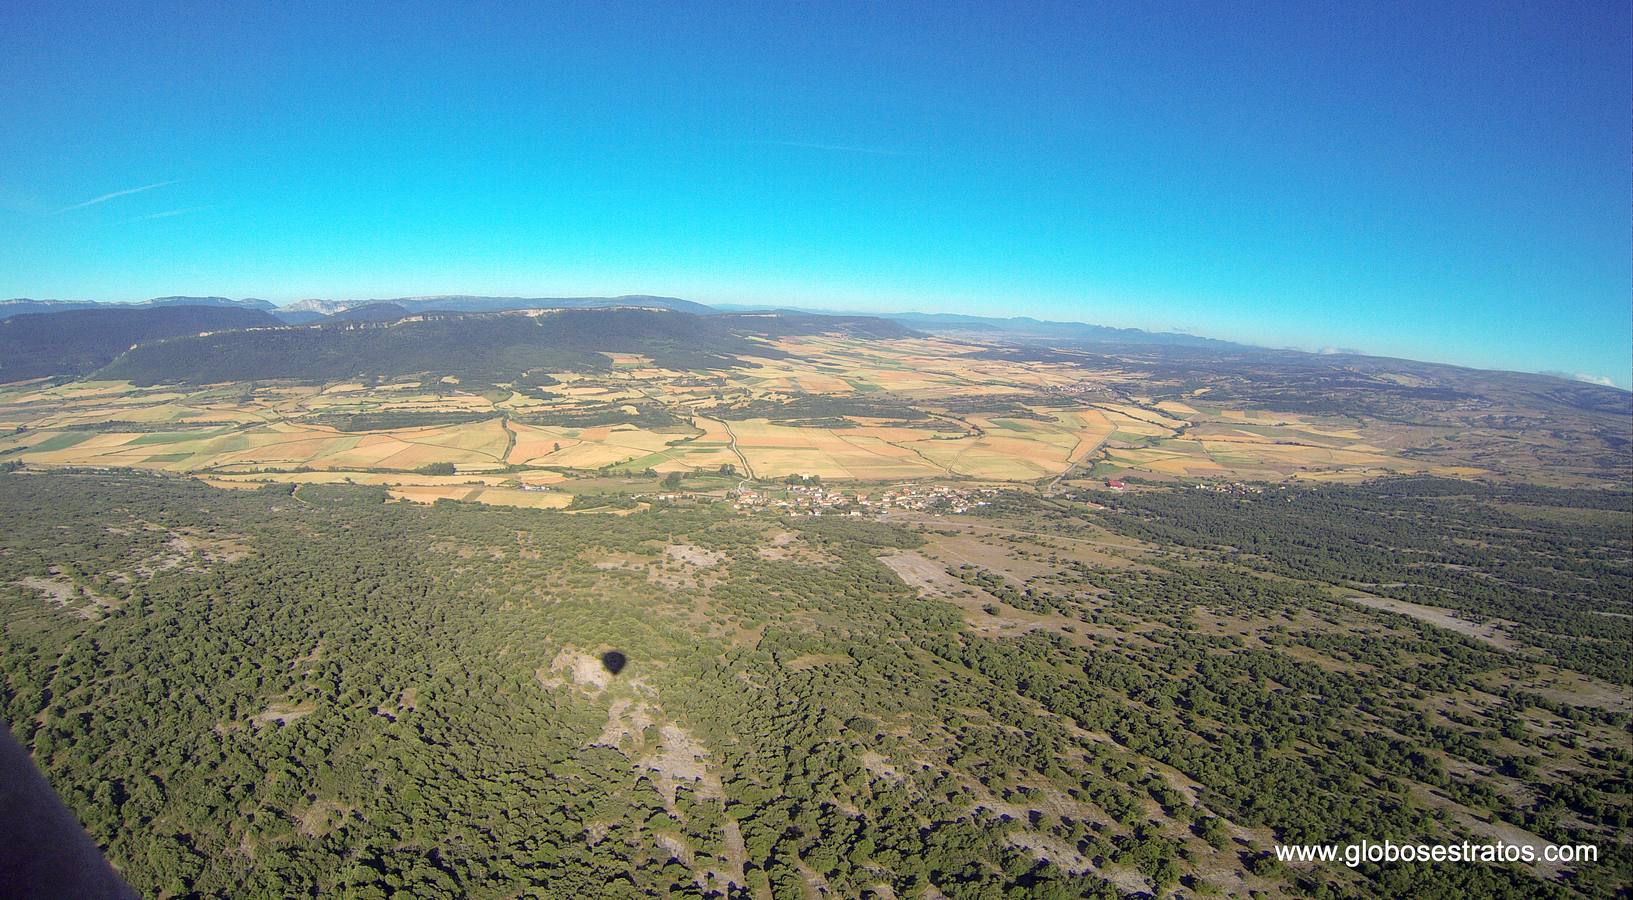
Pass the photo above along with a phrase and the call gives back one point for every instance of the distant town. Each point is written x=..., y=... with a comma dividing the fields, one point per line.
x=817, y=500
x=935, y=499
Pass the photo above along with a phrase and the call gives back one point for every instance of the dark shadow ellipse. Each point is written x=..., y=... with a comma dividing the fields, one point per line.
x=614, y=661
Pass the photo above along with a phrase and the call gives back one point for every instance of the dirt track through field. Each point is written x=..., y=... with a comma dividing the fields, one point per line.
x=731, y=442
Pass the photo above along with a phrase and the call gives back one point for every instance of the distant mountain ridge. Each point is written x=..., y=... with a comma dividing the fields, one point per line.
x=304, y=312
x=370, y=312
x=1019, y=329
x=24, y=306
x=1030, y=330
x=477, y=303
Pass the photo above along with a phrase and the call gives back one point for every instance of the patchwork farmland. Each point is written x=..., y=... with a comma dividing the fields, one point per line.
x=826, y=406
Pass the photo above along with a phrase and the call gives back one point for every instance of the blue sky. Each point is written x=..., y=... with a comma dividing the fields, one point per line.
x=1433, y=181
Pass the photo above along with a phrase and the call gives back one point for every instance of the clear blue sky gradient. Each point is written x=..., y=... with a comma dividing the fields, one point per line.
x=1439, y=181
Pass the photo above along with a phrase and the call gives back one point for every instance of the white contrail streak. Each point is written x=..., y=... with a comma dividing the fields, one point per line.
x=106, y=197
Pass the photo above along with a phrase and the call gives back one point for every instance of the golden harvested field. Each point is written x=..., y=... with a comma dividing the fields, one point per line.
x=587, y=455
x=695, y=455
x=431, y=493
x=388, y=478
x=777, y=450
x=529, y=499
x=231, y=485
x=534, y=442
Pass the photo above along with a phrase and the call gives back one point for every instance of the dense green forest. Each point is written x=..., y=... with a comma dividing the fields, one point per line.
x=467, y=345
x=1555, y=562
x=80, y=341
x=319, y=690
x=477, y=346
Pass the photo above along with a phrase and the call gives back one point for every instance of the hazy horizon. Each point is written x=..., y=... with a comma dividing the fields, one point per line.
x=1335, y=348
x=1286, y=176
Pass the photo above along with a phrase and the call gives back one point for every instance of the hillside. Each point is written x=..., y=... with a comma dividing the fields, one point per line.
x=479, y=346
x=78, y=342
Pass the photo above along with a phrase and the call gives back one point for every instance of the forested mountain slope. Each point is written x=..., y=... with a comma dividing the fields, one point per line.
x=78, y=342
x=494, y=346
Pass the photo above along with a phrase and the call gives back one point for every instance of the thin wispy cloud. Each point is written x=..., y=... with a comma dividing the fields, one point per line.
x=113, y=195
x=165, y=214
x=833, y=148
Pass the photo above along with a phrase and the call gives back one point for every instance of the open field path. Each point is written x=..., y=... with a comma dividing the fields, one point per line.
x=1076, y=460
x=731, y=442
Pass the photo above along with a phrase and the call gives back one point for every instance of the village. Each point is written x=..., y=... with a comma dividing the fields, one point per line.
x=817, y=500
